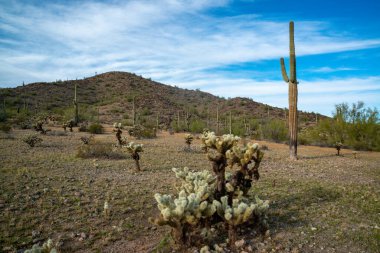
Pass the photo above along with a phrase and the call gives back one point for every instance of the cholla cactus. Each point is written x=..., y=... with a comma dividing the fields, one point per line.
x=32, y=140
x=193, y=204
x=239, y=212
x=47, y=247
x=221, y=144
x=338, y=146
x=242, y=157
x=134, y=149
x=117, y=128
x=68, y=124
x=38, y=126
x=189, y=139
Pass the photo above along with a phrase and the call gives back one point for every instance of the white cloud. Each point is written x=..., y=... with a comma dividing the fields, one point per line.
x=329, y=69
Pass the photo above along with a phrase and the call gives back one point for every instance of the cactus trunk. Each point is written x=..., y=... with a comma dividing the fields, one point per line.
x=293, y=93
x=76, y=116
x=230, y=123
x=133, y=112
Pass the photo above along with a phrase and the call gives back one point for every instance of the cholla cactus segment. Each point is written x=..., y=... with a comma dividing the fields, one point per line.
x=244, y=155
x=201, y=183
x=219, y=143
x=117, y=125
x=186, y=208
x=241, y=209
x=194, y=200
x=134, y=147
x=47, y=247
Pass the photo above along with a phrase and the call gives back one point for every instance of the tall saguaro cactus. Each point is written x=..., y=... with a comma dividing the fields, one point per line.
x=293, y=93
x=75, y=102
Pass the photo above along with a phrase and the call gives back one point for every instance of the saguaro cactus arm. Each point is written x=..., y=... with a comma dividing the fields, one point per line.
x=283, y=70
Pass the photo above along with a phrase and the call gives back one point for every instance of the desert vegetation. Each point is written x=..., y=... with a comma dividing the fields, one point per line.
x=265, y=180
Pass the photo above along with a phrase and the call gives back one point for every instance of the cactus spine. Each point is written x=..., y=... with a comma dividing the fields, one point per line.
x=293, y=93
x=75, y=102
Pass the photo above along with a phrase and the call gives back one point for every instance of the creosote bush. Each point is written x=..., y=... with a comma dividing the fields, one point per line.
x=32, y=140
x=207, y=199
x=97, y=149
x=139, y=132
x=96, y=128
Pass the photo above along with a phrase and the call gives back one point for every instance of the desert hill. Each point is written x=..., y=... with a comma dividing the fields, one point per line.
x=109, y=98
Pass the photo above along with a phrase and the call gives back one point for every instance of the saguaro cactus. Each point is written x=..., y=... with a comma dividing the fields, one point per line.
x=75, y=102
x=293, y=93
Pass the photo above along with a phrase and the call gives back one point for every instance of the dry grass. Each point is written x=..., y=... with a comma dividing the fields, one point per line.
x=320, y=203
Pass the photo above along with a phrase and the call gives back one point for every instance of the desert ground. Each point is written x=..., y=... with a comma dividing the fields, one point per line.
x=320, y=203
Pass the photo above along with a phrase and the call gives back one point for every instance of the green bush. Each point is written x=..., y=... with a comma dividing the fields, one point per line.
x=197, y=126
x=4, y=127
x=274, y=130
x=356, y=127
x=96, y=149
x=96, y=128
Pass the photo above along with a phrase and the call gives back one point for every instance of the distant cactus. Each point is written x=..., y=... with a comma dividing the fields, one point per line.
x=189, y=139
x=134, y=149
x=75, y=102
x=47, y=247
x=38, y=126
x=117, y=129
x=68, y=124
x=32, y=140
x=338, y=146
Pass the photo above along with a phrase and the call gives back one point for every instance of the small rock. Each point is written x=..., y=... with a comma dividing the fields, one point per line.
x=240, y=243
x=313, y=229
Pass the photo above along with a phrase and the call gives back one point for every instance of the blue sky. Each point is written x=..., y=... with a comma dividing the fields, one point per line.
x=228, y=48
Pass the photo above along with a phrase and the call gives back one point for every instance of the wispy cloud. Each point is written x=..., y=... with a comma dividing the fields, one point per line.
x=172, y=41
x=330, y=70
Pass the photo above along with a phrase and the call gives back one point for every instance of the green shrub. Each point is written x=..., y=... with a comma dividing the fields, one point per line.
x=96, y=149
x=32, y=140
x=96, y=128
x=274, y=130
x=4, y=127
x=139, y=132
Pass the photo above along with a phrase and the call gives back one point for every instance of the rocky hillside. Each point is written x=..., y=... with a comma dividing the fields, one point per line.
x=109, y=97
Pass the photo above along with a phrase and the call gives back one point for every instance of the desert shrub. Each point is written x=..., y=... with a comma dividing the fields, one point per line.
x=96, y=149
x=206, y=200
x=96, y=128
x=83, y=127
x=32, y=140
x=197, y=126
x=355, y=127
x=4, y=127
x=274, y=130
x=139, y=132
x=56, y=133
